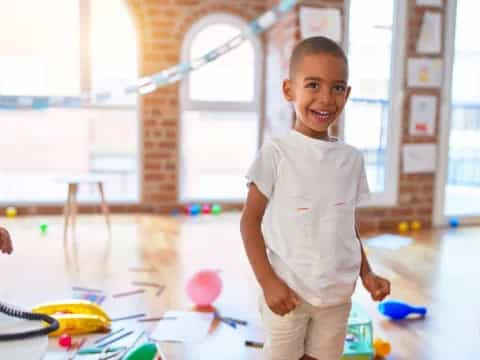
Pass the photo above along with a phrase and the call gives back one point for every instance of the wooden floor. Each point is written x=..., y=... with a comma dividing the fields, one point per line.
x=439, y=269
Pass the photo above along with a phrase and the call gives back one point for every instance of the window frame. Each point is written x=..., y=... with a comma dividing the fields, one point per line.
x=186, y=104
x=389, y=197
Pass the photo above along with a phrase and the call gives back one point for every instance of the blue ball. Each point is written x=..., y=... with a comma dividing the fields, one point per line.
x=454, y=222
x=195, y=209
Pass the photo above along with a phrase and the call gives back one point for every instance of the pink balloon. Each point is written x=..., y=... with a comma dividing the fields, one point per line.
x=204, y=287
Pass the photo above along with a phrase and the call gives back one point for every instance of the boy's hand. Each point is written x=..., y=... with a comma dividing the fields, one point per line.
x=279, y=297
x=377, y=286
x=5, y=241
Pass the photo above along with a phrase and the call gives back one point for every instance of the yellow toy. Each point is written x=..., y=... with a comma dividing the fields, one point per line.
x=11, y=212
x=76, y=317
x=416, y=225
x=403, y=227
x=382, y=347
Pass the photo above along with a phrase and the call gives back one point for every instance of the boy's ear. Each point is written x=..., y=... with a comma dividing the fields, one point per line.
x=287, y=90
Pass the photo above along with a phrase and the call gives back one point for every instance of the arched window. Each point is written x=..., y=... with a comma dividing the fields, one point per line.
x=219, y=112
x=89, y=47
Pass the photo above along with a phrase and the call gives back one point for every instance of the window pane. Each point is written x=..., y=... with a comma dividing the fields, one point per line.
x=39, y=56
x=230, y=77
x=217, y=148
x=113, y=51
x=56, y=143
x=367, y=113
x=462, y=196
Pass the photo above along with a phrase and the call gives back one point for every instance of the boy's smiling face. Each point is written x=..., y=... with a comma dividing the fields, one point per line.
x=318, y=92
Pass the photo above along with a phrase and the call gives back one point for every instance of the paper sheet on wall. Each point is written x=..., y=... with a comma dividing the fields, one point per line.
x=436, y=3
x=430, y=39
x=419, y=158
x=320, y=22
x=185, y=326
x=424, y=72
x=423, y=110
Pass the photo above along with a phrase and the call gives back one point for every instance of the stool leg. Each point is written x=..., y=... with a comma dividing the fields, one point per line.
x=74, y=209
x=66, y=213
x=104, y=206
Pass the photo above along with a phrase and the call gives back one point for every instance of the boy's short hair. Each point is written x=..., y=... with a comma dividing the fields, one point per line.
x=315, y=45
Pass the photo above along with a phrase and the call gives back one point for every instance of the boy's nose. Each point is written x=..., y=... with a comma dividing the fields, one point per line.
x=325, y=96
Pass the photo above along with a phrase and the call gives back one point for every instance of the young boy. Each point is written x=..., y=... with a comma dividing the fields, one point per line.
x=298, y=225
x=5, y=241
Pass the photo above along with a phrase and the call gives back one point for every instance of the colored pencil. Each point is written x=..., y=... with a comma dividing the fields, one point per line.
x=128, y=293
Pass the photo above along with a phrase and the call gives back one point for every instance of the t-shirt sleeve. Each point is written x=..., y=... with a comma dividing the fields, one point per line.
x=263, y=171
x=363, y=190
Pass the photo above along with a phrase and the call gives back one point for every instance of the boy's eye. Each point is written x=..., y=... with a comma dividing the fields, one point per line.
x=339, y=88
x=312, y=85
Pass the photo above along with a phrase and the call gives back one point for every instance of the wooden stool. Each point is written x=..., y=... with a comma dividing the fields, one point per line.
x=71, y=205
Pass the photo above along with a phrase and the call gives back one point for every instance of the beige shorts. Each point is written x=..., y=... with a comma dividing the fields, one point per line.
x=318, y=332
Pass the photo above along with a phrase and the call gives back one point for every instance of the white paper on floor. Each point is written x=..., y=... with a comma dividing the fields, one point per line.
x=253, y=335
x=187, y=326
x=388, y=241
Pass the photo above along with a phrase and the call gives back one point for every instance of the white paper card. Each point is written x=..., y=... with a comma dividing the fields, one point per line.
x=320, y=22
x=424, y=72
x=437, y=3
x=419, y=158
x=423, y=110
x=430, y=39
x=188, y=326
x=388, y=241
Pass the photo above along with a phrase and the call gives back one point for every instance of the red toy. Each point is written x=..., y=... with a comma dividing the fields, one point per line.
x=204, y=287
x=65, y=341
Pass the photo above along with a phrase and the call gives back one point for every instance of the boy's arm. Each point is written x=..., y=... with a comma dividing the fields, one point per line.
x=365, y=268
x=377, y=286
x=278, y=296
x=5, y=241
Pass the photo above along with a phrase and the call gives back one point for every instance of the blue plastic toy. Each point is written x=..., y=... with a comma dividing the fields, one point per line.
x=454, y=222
x=195, y=209
x=397, y=310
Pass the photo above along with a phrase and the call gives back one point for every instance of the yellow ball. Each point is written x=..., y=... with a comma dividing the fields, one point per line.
x=416, y=225
x=403, y=226
x=11, y=212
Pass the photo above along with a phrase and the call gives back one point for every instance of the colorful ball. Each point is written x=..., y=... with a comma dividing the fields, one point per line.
x=195, y=209
x=65, y=340
x=403, y=227
x=216, y=209
x=382, y=347
x=43, y=228
x=206, y=209
x=11, y=211
x=416, y=225
x=204, y=287
x=454, y=222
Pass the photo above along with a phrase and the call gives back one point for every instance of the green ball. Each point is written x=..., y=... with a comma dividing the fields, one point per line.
x=216, y=209
x=43, y=228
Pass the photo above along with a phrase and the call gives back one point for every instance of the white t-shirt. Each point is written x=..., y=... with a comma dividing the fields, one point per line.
x=313, y=187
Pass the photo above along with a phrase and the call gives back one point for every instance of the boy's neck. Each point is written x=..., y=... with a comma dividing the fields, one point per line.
x=322, y=135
